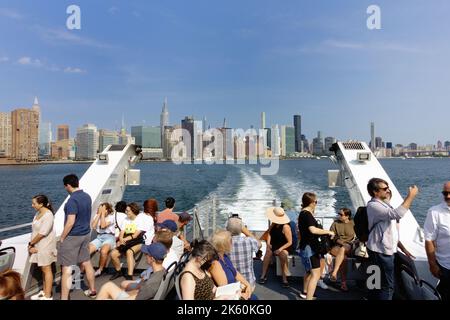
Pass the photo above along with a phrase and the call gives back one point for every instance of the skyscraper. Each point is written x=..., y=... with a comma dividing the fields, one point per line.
x=25, y=134
x=276, y=141
x=45, y=140
x=287, y=140
x=198, y=140
x=164, y=120
x=87, y=142
x=328, y=143
x=298, y=133
x=63, y=132
x=147, y=137
x=372, y=136
x=5, y=134
x=187, y=124
x=263, y=120
x=317, y=145
x=107, y=137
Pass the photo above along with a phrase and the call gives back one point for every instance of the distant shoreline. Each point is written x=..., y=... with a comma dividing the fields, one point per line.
x=14, y=163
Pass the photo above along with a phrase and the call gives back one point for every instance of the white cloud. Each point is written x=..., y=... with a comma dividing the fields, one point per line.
x=74, y=70
x=10, y=13
x=27, y=61
x=343, y=44
x=62, y=35
x=4, y=59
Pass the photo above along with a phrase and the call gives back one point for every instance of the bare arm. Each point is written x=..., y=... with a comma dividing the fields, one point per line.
x=94, y=222
x=187, y=286
x=412, y=193
x=68, y=226
x=430, y=248
x=288, y=235
x=320, y=232
x=103, y=223
x=248, y=290
x=247, y=233
x=218, y=275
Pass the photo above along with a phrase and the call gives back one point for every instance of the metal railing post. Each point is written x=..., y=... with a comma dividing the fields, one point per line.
x=214, y=213
x=206, y=231
x=194, y=227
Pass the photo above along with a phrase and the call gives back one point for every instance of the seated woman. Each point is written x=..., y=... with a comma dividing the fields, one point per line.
x=279, y=241
x=223, y=272
x=343, y=229
x=11, y=286
x=195, y=280
x=130, y=241
x=104, y=223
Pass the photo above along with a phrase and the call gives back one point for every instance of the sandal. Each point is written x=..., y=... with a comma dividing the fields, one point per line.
x=344, y=287
x=262, y=280
x=285, y=284
x=333, y=278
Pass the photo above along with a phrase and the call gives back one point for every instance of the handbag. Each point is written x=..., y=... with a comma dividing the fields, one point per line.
x=361, y=251
x=131, y=243
x=324, y=244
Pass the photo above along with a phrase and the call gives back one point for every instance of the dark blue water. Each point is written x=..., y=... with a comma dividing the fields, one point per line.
x=193, y=184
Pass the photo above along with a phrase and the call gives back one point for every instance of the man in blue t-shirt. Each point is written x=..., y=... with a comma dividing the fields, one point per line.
x=74, y=242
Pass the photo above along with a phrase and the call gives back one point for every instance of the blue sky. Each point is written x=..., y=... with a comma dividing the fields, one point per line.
x=233, y=59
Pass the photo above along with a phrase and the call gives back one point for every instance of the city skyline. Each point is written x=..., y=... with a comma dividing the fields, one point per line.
x=317, y=60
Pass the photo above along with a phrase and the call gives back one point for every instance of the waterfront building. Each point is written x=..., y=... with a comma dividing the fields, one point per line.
x=146, y=136
x=107, y=137
x=63, y=132
x=187, y=124
x=5, y=134
x=317, y=145
x=287, y=140
x=87, y=142
x=276, y=141
x=298, y=133
x=328, y=143
x=25, y=134
x=63, y=149
x=372, y=136
x=45, y=140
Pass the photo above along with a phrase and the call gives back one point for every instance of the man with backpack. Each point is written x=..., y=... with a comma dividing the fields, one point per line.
x=383, y=236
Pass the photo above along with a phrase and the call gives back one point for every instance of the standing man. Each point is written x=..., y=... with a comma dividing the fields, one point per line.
x=74, y=242
x=383, y=235
x=437, y=242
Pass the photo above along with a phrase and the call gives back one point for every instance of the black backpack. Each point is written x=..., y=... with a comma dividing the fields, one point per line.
x=361, y=224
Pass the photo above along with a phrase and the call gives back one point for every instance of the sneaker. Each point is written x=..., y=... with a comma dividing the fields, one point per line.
x=322, y=284
x=38, y=295
x=45, y=298
x=90, y=294
x=116, y=275
x=303, y=296
x=128, y=277
x=98, y=273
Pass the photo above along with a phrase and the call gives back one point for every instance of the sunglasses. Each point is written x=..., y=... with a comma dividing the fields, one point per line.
x=384, y=189
x=445, y=193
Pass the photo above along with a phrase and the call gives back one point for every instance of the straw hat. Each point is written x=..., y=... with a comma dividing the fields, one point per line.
x=277, y=215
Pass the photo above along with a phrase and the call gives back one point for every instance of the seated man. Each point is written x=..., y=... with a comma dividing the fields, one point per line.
x=155, y=253
x=161, y=236
x=177, y=243
x=183, y=220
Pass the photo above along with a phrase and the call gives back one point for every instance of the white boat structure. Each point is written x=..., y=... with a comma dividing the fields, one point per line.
x=107, y=178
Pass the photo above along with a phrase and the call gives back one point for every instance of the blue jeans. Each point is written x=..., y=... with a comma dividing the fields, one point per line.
x=386, y=265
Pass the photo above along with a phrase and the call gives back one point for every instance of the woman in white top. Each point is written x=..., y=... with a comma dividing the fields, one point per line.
x=42, y=247
x=104, y=224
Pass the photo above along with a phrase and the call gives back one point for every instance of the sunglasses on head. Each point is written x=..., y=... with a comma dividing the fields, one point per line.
x=445, y=193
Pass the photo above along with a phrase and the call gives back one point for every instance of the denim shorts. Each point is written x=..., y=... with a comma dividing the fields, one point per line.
x=310, y=259
x=122, y=296
x=103, y=239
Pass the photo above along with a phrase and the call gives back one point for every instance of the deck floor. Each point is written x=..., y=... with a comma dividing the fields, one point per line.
x=271, y=290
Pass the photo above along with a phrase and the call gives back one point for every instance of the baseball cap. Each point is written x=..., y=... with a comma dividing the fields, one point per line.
x=155, y=250
x=168, y=224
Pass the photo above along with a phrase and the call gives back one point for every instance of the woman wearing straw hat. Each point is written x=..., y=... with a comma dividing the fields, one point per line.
x=279, y=240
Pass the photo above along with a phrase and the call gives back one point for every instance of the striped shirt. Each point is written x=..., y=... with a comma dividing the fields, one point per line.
x=242, y=256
